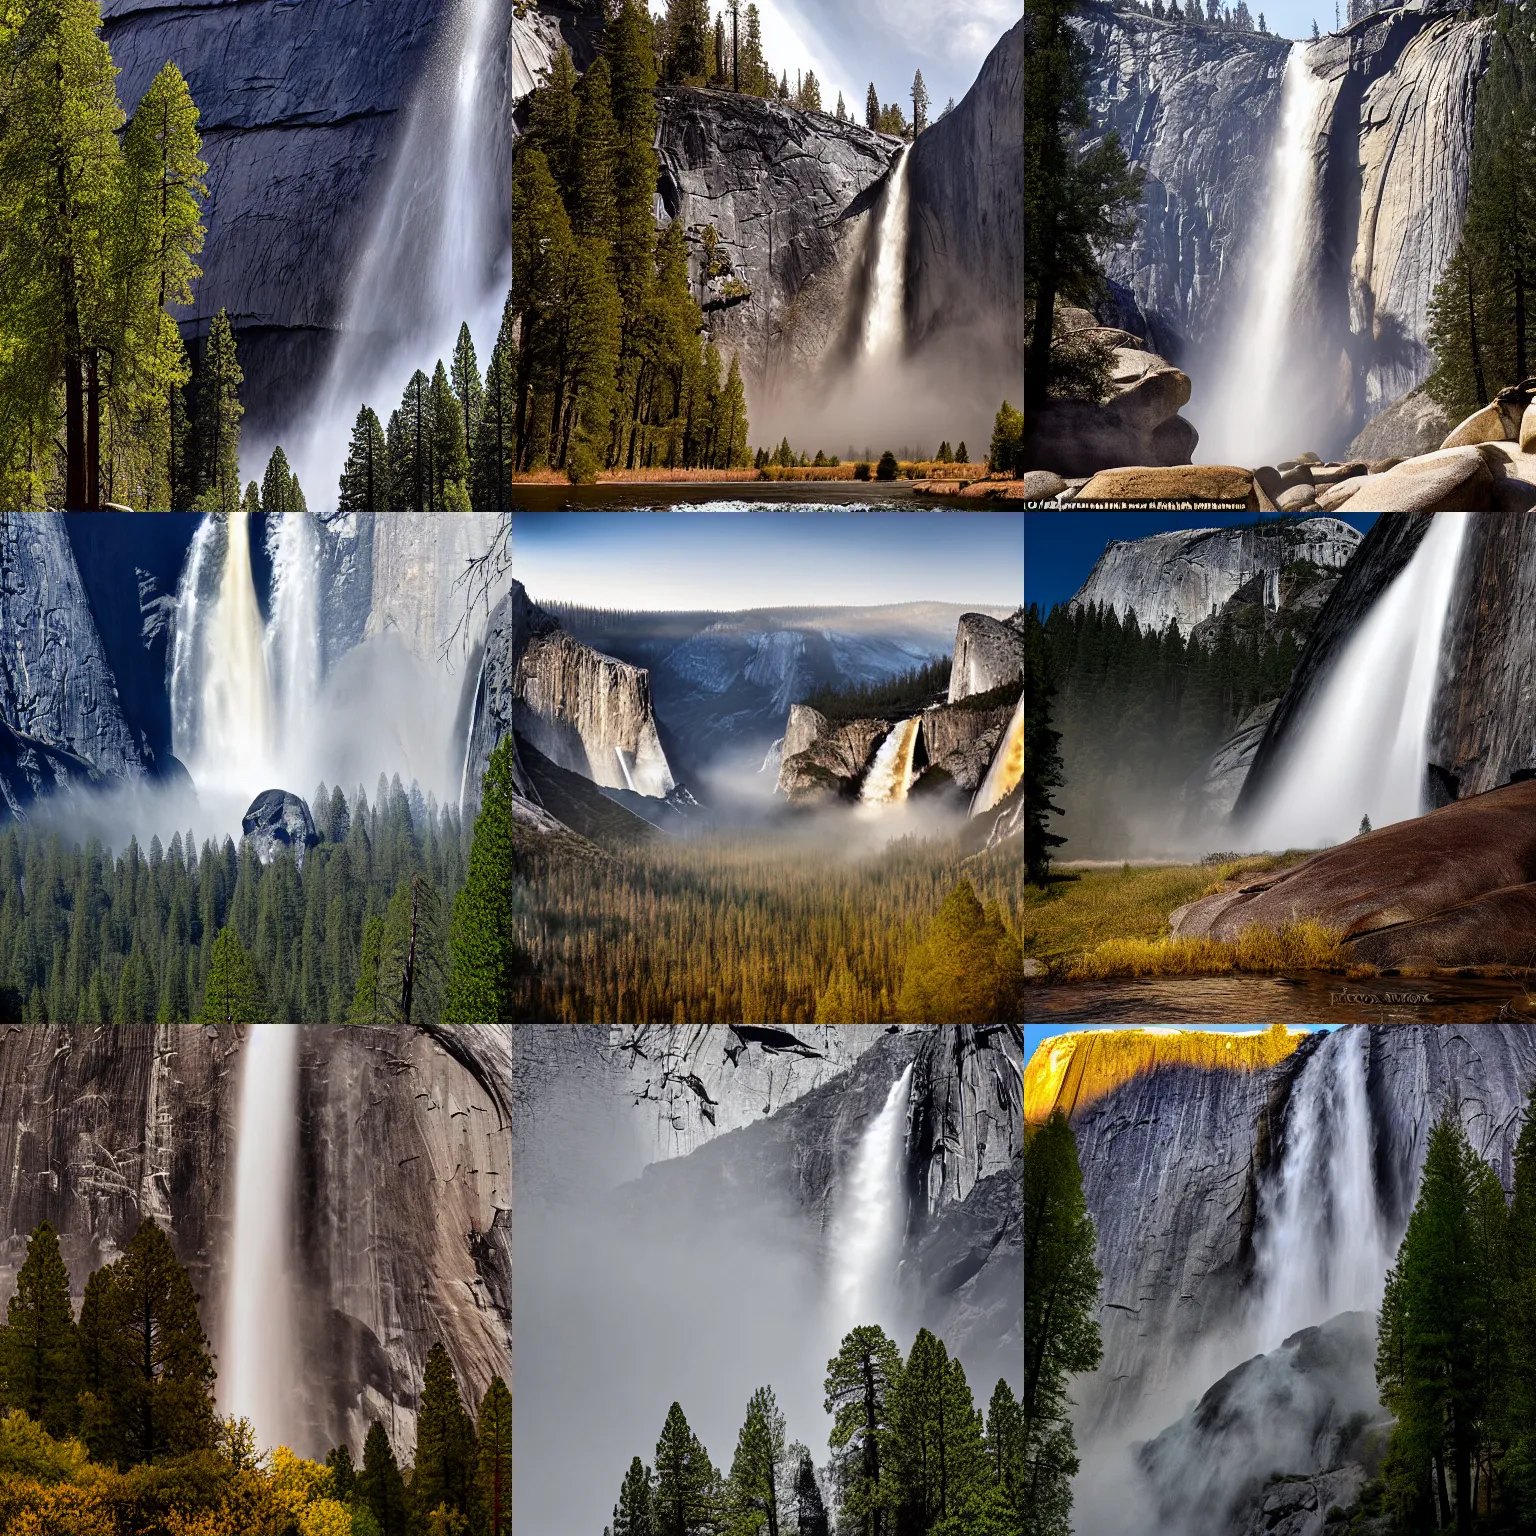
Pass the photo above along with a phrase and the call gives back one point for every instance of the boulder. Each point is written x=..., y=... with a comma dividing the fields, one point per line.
x=1292, y=475
x=1269, y=480
x=1042, y=485
x=1403, y=884
x=277, y=821
x=1183, y=482
x=1527, y=437
x=1484, y=426
x=1296, y=498
x=1454, y=479
x=1335, y=496
x=1138, y=425
x=823, y=760
x=1412, y=424
x=1331, y=474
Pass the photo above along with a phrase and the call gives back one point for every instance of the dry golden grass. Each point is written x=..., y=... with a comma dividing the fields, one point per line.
x=1070, y=1072
x=1303, y=946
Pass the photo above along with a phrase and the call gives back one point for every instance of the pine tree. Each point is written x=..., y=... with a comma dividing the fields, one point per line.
x=365, y=475
x=1005, y=1443
x=484, y=954
x=338, y=1463
x=593, y=207
x=966, y=969
x=1519, y=1468
x=919, y=104
x=233, y=994
x=218, y=420
x=634, y=1514
x=410, y=447
x=1042, y=755
x=860, y=1380
x=449, y=459
x=935, y=1436
x=40, y=1370
x=380, y=1487
x=810, y=1509
x=149, y=1354
x=683, y=1502
x=1061, y=1336
x=493, y=1477
x=872, y=108
x=758, y=1471
x=279, y=486
x=491, y=467
x=445, y=1443
x=687, y=27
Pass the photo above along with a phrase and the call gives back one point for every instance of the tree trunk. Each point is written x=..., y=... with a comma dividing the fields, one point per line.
x=74, y=436
x=1445, y=1502
x=1037, y=360
x=1477, y=359
x=92, y=434
x=1463, y=1488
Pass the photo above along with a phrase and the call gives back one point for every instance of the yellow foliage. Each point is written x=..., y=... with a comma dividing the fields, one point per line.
x=325, y=1517
x=68, y=1509
x=1070, y=1072
x=1300, y=946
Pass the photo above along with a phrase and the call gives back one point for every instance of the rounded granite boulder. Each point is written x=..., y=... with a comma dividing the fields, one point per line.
x=278, y=820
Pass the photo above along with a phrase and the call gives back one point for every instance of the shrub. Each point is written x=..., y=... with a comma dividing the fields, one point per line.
x=861, y=471
x=886, y=470
x=581, y=464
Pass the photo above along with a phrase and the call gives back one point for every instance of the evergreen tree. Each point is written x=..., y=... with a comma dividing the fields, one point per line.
x=810, y=1510
x=343, y=1474
x=687, y=30
x=150, y=1357
x=967, y=968
x=233, y=994
x=919, y=104
x=842, y=110
x=446, y=1450
x=468, y=389
x=872, y=108
x=279, y=486
x=493, y=1461
x=1076, y=200
x=1042, y=755
x=1061, y=1336
x=448, y=459
x=411, y=448
x=634, y=1515
x=683, y=1502
x=759, y=1469
x=1519, y=1468
x=935, y=1436
x=365, y=476
x=861, y=1378
x=1007, y=441
x=484, y=955
x=218, y=420
x=1005, y=1443
x=491, y=467
x=380, y=1487
x=250, y=503
x=40, y=1370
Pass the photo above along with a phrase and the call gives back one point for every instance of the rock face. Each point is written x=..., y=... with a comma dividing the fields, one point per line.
x=584, y=711
x=278, y=821
x=56, y=687
x=823, y=761
x=988, y=653
x=789, y=193
x=1188, y=576
x=1139, y=424
x=965, y=250
x=1413, y=424
x=1297, y=1410
x=1198, y=107
x=404, y=1158
x=1220, y=783
x=958, y=744
x=300, y=109
x=1182, y=1166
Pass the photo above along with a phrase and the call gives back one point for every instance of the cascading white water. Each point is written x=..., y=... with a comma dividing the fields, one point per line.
x=293, y=635
x=1007, y=766
x=1257, y=400
x=439, y=252
x=221, y=694
x=885, y=313
x=890, y=774
x=260, y=1376
x=1361, y=749
x=1322, y=1246
x=871, y=1219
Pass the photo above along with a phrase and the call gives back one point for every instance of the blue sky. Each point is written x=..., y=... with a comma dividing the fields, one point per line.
x=730, y=560
x=1061, y=547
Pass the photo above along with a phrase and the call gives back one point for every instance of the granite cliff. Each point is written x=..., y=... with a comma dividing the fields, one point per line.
x=988, y=654
x=404, y=1164
x=1188, y=576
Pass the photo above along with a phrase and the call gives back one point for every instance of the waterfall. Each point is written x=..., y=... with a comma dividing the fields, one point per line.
x=1006, y=770
x=439, y=252
x=885, y=314
x=1361, y=747
x=261, y=1366
x=1258, y=401
x=221, y=696
x=293, y=636
x=871, y=1218
x=1322, y=1247
x=890, y=774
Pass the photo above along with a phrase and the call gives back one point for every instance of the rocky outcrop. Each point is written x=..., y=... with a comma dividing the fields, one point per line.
x=1410, y=425
x=56, y=688
x=1211, y=796
x=956, y=745
x=965, y=249
x=278, y=821
x=1268, y=1448
x=1187, y=576
x=988, y=653
x=404, y=1155
x=1138, y=424
x=823, y=761
x=790, y=194
x=301, y=108
x=584, y=711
